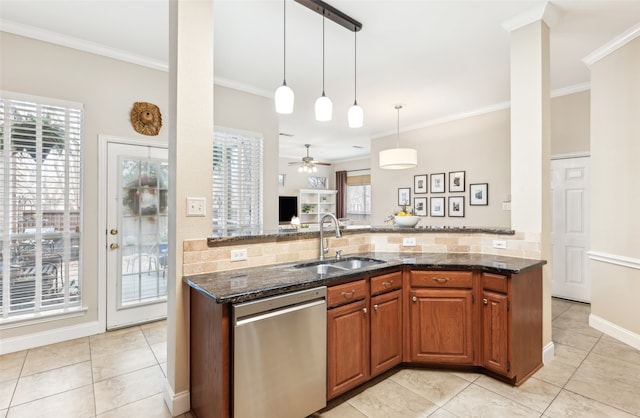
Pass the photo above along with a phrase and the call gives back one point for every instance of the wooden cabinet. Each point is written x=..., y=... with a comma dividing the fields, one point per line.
x=315, y=203
x=441, y=317
x=386, y=322
x=512, y=324
x=347, y=337
x=364, y=333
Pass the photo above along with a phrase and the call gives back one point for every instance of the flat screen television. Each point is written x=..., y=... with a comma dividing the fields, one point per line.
x=287, y=208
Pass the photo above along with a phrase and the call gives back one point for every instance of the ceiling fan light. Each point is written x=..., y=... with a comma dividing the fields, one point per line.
x=299, y=169
x=324, y=108
x=398, y=158
x=314, y=169
x=355, y=116
x=284, y=99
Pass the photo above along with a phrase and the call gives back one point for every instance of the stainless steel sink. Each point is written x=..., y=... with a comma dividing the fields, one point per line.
x=332, y=266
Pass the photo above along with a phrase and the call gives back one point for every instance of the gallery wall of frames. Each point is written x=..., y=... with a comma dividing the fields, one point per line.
x=443, y=194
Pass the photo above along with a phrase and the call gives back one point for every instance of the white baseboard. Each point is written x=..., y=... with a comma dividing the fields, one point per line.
x=548, y=352
x=615, y=331
x=177, y=403
x=56, y=335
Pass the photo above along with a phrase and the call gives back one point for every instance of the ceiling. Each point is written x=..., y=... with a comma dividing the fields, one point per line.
x=441, y=59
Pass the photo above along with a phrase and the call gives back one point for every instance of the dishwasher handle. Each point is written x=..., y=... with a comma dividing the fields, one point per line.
x=255, y=318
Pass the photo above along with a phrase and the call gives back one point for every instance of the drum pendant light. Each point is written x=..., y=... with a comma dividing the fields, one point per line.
x=284, y=97
x=398, y=158
x=324, y=107
x=355, y=115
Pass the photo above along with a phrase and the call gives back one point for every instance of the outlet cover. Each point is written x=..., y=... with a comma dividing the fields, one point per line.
x=196, y=206
x=239, y=255
x=408, y=242
x=499, y=243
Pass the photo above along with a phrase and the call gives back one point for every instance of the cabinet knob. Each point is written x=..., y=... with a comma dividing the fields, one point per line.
x=364, y=310
x=113, y=246
x=485, y=301
x=375, y=307
x=415, y=299
x=348, y=295
x=113, y=231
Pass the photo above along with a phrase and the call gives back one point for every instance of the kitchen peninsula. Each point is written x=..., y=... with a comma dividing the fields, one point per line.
x=480, y=312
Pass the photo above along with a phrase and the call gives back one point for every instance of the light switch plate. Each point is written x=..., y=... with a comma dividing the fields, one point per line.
x=196, y=206
x=239, y=255
x=499, y=243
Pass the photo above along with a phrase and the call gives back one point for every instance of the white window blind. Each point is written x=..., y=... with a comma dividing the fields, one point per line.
x=237, y=183
x=40, y=170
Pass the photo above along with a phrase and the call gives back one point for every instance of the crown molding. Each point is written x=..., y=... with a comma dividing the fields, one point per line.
x=80, y=44
x=576, y=88
x=225, y=82
x=613, y=45
x=545, y=12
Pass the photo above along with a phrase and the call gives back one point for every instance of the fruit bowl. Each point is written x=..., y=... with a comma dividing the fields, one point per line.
x=407, y=221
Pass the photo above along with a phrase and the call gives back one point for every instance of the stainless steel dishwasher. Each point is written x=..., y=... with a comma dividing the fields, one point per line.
x=280, y=355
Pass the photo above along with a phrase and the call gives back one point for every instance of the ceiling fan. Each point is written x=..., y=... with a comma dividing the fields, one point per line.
x=308, y=164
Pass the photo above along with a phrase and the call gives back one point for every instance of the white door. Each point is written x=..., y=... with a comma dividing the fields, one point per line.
x=137, y=226
x=570, y=234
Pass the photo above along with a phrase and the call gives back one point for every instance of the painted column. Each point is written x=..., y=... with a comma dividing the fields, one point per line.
x=190, y=170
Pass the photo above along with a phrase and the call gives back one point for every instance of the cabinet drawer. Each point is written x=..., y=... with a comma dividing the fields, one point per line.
x=460, y=279
x=345, y=293
x=386, y=283
x=494, y=282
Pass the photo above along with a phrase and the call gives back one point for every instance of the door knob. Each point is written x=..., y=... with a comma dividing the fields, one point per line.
x=113, y=231
x=113, y=246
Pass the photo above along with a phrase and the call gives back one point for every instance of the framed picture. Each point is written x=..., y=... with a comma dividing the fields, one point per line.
x=437, y=183
x=456, y=181
x=420, y=206
x=404, y=196
x=456, y=206
x=437, y=206
x=420, y=184
x=317, y=182
x=479, y=194
x=281, y=178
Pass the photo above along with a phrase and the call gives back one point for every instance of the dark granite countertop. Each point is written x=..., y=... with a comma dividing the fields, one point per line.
x=242, y=237
x=242, y=285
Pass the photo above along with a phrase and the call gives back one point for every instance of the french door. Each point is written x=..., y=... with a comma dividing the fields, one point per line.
x=137, y=227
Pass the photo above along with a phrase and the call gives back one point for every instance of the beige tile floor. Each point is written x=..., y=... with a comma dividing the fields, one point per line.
x=121, y=374
x=592, y=375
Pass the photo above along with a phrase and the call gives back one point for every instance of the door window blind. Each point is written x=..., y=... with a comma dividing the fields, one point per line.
x=237, y=184
x=40, y=172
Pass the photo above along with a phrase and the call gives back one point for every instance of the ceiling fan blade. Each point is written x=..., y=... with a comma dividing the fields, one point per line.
x=320, y=163
x=295, y=163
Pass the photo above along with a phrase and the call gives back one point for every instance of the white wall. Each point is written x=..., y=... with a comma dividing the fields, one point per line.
x=477, y=145
x=107, y=88
x=615, y=158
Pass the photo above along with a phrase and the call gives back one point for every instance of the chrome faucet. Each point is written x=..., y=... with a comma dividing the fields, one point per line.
x=325, y=248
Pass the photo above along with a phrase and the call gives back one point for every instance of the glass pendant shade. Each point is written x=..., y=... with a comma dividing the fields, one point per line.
x=324, y=108
x=398, y=158
x=284, y=99
x=355, y=116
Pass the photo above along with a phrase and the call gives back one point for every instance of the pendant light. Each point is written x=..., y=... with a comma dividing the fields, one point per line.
x=398, y=158
x=284, y=94
x=355, y=116
x=324, y=107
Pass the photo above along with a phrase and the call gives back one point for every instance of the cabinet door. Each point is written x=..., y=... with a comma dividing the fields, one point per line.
x=441, y=326
x=347, y=347
x=495, y=333
x=386, y=331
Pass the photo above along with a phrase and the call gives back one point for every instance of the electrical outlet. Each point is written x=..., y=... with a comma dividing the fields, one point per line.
x=506, y=205
x=408, y=242
x=196, y=206
x=239, y=254
x=499, y=243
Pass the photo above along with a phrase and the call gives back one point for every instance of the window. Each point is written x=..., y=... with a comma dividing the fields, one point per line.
x=359, y=198
x=237, y=183
x=40, y=222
